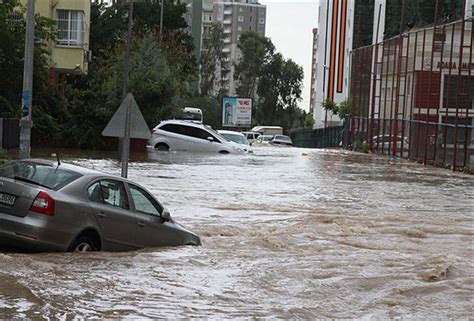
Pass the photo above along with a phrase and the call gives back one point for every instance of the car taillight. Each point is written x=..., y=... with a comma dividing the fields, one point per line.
x=43, y=204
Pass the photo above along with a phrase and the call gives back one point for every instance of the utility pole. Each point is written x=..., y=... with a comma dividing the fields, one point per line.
x=27, y=94
x=126, y=137
x=161, y=20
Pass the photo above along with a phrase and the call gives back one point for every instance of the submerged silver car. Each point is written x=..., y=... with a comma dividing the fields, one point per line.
x=48, y=206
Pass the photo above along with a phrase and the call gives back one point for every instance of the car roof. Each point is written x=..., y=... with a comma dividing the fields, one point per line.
x=78, y=169
x=183, y=122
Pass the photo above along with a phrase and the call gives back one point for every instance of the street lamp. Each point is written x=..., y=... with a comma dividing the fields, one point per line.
x=325, y=67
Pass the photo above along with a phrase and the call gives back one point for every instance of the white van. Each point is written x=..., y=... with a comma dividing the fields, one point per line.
x=191, y=113
x=251, y=136
x=268, y=130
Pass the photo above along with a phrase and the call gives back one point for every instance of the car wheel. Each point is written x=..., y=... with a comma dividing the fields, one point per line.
x=223, y=152
x=84, y=243
x=162, y=147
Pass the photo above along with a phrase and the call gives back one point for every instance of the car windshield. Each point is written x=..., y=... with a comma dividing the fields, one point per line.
x=285, y=138
x=215, y=133
x=235, y=138
x=39, y=174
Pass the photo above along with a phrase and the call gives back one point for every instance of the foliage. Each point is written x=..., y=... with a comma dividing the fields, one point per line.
x=12, y=38
x=152, y=80
x=109, y=24
x=211, y=109
x=342, y=109
x=212, y=67
x=256, y=52
x=276, y=81
x=161, y=69
x=309, y=121
x=419, y=13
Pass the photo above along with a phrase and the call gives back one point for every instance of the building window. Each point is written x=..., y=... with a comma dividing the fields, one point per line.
x=241, y=18
x=207, y=18
x=262, y=21
x=70, y=26
x=239, y=28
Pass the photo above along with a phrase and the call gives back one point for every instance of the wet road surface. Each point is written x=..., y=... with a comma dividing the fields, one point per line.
x=332, y=234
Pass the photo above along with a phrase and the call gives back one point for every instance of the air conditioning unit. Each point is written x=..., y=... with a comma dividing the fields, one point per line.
x=88, y=55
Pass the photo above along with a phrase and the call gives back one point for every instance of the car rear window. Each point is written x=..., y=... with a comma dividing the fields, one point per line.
x=44, y=175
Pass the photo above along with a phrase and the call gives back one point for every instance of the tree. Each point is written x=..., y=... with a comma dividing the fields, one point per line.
x=212, y=66
x=309, y=120
x=109, y=23
x=269, y=105
x=256, y=52
x=151, y=80
x=12, y=38
x=290, y=89
x=342, y=109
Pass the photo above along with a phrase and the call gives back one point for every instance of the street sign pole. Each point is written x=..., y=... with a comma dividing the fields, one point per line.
x=27, y=94
x=126, y=137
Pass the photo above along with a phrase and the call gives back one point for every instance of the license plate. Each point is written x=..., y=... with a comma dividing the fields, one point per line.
x=7, y=199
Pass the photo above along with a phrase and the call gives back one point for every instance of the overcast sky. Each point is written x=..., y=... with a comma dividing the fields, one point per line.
x=289, y=26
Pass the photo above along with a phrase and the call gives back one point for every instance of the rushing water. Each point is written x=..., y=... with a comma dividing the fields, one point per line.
x=327, y=234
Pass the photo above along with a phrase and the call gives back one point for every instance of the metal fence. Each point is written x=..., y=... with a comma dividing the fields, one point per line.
x=412, y=95
x=317, y=138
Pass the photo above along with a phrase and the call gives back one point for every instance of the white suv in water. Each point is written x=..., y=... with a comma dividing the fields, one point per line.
x=183, y=135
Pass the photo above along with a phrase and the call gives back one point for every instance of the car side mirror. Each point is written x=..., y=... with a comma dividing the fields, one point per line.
x=211, y=139
x=165, y=215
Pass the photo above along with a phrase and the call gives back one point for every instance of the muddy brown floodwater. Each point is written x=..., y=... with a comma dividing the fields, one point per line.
x=329, y=235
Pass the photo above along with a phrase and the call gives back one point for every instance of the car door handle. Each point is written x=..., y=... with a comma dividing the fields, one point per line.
x=102, y=215
x=141, y=224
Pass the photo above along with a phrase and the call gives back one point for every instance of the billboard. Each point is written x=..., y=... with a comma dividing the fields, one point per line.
x=236, y=112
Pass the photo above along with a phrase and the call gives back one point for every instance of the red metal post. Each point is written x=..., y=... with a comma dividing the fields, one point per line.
x=440, y=102
x=415, y=50
x=469, y=100
x=458, y=90
x=448, y=91
x=399, y=67
x=374, y=82
x=385, y=98
x=428, y=111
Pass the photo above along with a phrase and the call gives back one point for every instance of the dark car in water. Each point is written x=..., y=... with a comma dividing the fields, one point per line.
x=281, y=140
x=49, y=206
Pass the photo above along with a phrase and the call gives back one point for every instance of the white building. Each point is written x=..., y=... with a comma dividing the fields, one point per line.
x=335, y=29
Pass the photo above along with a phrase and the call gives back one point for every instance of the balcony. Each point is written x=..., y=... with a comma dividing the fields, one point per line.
x=227, y=41
x=227, y=31
x=227, y=12
x=226, y=50
x=227, y=22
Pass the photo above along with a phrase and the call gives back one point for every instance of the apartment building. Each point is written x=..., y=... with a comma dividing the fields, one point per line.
x=69, y=52
x=235, y=17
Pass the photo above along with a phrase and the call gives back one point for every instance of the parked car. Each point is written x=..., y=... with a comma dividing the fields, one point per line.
x=251, y=136
x=384, y=142
x=46, y=206
x=237, y=138
x=264, y=139
x=281, y=140
x=182, y=135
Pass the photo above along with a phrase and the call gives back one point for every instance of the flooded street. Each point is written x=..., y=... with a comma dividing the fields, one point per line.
x=330, y=234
